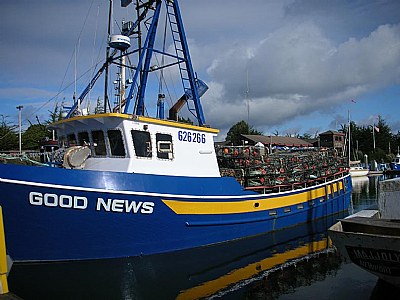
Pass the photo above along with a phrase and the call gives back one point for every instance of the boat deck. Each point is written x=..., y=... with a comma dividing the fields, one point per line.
x=371, y=226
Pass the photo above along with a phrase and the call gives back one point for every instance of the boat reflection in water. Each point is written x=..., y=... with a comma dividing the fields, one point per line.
x=359, y=183
x=192, y=274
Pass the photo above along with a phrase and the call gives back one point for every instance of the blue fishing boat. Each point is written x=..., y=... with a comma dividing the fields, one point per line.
x=395, y=163
x=129, y=184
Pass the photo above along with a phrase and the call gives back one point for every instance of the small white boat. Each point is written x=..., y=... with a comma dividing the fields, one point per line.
x=371, y=238
x=357, y=170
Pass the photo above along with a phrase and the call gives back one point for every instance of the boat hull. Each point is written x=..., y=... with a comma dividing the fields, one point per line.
x=358, y=172
x=216, y=268
x=374, y=249
x=53, y=214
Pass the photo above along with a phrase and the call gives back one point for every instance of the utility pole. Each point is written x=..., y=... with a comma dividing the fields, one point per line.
x=20, y=107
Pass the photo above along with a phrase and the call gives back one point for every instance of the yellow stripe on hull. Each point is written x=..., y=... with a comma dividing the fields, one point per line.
x=183, y=207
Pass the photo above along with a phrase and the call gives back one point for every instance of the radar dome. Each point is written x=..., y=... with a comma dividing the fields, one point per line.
x=120, y=42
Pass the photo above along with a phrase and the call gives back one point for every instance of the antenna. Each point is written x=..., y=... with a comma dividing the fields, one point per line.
x=247, y=96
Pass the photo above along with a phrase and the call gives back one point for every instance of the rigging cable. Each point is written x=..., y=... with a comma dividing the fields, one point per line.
x=60, y=89
x=93, y=58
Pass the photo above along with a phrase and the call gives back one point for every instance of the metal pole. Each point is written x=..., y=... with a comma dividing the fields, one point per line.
x=373, y=134
x=107, y=57
x=349, y=137
x=20, y=107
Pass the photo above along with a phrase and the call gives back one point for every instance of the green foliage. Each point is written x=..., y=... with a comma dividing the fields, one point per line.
x=33, y=135
x=183, y=120
x=305, y=136
x=99, y=109
x=8, y=136
x=362, y=139
x=395, y=142
x=55, y=115
x=235, y=132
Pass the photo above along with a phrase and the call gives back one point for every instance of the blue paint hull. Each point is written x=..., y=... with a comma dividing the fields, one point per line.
x=192, y=278
x=395, y=166
x=55, y=214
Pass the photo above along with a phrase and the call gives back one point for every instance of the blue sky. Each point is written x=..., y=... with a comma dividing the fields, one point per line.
x=301, y=61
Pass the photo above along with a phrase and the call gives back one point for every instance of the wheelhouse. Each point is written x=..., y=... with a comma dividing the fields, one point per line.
x=123, y=143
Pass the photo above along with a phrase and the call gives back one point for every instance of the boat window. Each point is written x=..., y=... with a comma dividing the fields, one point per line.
x=99, y=144
x=164, y=146
x=83, y=138
x=71, y=140
x=142, y=143
x=116, y=143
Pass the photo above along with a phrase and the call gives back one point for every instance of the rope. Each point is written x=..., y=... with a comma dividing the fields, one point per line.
x=24, y=157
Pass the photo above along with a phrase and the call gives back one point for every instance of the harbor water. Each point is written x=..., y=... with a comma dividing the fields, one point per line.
x=295, y=263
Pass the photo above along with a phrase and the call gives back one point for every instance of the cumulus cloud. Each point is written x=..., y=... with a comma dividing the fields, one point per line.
x=270, y=62
x=297, y=70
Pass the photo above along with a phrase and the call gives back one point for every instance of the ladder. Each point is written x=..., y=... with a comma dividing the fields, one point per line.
x=184, y=62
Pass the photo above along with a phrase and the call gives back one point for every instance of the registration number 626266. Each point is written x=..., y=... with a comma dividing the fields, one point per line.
x=191, y=137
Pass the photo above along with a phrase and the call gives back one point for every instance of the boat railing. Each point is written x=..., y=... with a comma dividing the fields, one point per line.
x=280, y=171
x=269, y=189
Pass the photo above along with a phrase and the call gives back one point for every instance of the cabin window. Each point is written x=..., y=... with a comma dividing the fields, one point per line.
x=116, y=143
x=164, y=146
x=83, y=138
x=99, y=144
x=142, y=143
x=71, y=138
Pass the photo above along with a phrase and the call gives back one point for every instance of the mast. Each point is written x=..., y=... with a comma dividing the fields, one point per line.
x=193, y=88
x=139, y=38
x=349, y=148
x=107, y=56
x=148, y=12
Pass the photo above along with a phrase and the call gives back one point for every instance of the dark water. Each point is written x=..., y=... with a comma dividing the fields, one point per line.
x=296, y=263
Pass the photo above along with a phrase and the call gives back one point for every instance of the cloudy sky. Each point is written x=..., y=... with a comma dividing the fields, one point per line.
x=285, y=66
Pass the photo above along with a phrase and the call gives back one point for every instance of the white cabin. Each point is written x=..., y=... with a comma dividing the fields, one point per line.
x=137, y=144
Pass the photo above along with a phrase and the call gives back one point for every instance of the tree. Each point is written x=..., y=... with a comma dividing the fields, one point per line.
x=8, y=136
x=305, y=136
x=55, y=115
x=33, y=135
x=383, y=136
x=235, y=132
x=183, y=120
x=99, y=109
x=362, y=140
x=395, y=142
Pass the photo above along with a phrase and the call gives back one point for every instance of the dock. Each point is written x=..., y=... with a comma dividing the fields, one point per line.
x=391, y=172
